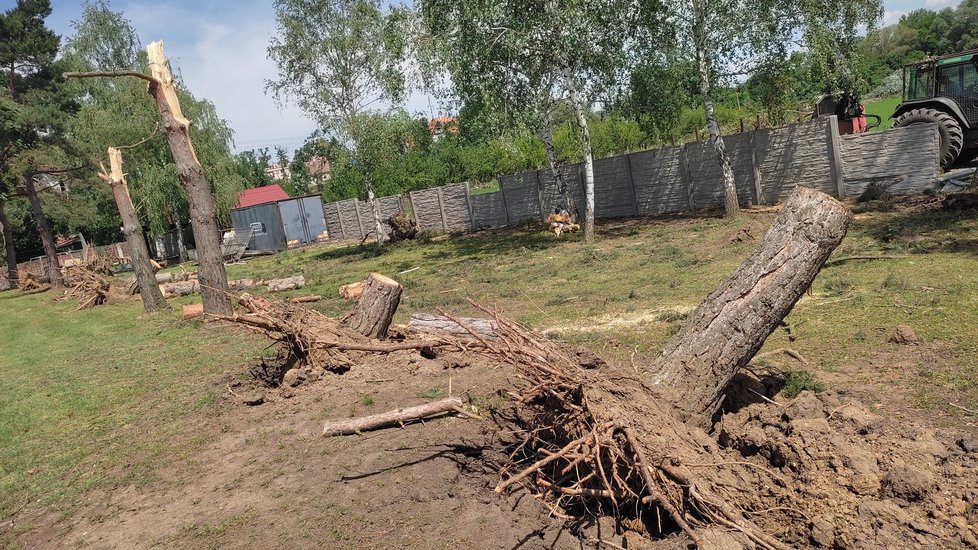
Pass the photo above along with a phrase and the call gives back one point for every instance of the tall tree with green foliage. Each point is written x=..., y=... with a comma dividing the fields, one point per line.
x=37, y=149
x=518, y=60
x=340, y=60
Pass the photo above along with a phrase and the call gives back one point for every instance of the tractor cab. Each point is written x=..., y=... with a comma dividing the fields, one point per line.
x=944, y=90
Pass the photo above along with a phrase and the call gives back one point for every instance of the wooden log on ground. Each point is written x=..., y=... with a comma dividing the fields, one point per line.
x=182, y=288
x=305, y=299
x=175, y=276
x=430, y=323
x=352, y=291
x=191, y=311
x=376, y=306
x=289, y=283
x=392, y=418
x=730, y=326
x=241, y=284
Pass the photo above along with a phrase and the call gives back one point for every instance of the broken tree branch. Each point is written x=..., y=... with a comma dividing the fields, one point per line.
x=391, y=418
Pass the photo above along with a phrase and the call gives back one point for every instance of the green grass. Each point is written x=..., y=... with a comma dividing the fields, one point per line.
x=106, y=397
x=883, y=108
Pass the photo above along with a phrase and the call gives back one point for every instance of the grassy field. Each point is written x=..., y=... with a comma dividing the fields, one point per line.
x=109, y=397
x=883, y=108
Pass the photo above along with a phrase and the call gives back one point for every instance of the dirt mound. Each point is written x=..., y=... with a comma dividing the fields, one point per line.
x=855, y=479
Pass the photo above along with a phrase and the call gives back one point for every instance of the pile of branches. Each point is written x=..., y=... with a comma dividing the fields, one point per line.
x=88, y=282
x=590, y=442
x=309, y=338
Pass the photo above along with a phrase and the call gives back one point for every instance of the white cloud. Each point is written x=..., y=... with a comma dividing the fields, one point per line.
x=939, y=4
x=892, y=17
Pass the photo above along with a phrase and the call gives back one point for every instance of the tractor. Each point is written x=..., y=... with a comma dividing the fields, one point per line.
x=944, y=90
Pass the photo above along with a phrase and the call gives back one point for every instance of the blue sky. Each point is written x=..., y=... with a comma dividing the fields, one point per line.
x=219, y=48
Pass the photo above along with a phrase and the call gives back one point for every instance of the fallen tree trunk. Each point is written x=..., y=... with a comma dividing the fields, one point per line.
x=392, y=418
x=182, y=288
x=376, y=307
x=459, y=327
x=730, y=326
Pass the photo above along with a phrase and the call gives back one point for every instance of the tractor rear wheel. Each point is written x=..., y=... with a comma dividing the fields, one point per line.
x=952, y=137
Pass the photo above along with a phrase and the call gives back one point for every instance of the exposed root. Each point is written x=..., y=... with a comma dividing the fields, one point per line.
x=88, y=282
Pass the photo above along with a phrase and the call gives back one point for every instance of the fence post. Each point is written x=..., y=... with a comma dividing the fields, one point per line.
x=686, y=176
x=356, y=208
x=339, y=216
x=468, y=201
x=414, y=210
x=756, y=168
x=835, y=154
x=543, y=211
x=441, y=208
x=631, y=181
x=502, y=194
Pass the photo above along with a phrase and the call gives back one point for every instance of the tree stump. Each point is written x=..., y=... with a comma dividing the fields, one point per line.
x=730, y=326
x=376, y=307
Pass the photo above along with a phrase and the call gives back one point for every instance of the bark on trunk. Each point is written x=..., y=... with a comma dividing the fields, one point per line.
x=546, y=135
x=731, y=205
x=44, y=229
x=376, y=307
x=213, y=278
x=440, y=324
x=730, y=326
x=184, y=288
x=375, y=209
x=392, y=418
x=588, y=157
x=9, y=248
x=181, y=243
x=145, y=276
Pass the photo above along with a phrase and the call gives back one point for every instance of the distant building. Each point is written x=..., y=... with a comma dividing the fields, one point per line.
x=439, y=126
x=278, y=172
x=319, y=167
x=261, y=195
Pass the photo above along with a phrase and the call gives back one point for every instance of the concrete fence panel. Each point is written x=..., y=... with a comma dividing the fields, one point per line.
x=427, y=210
x=901, y=160
x=455, y=207
x=489, y=211
x=614, y=196
x=659, y=184
x=523, y=194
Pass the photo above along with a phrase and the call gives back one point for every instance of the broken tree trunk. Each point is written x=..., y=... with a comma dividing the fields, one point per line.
x=392, y=418
x=459, y=327
x=213, y=278
x=131, y=228
x=8, y=245
x=376, y=307
x=730, y=326
x=44, y=230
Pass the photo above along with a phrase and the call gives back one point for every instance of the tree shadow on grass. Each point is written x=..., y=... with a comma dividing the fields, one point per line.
x=926, y=230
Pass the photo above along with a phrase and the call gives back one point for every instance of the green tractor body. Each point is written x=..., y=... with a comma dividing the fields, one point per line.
x=944, y=91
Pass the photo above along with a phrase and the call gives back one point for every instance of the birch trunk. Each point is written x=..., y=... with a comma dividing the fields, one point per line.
x=375, y=210
x=44, y=230
x=213, y=278
x=149, y=291
x=181, y=243
x=730, y=326
x=575, y=100
x=8, y=245
x=731, y=204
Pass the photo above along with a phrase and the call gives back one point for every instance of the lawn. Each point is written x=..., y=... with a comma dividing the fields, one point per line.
x=883, y=108
x=110, y=397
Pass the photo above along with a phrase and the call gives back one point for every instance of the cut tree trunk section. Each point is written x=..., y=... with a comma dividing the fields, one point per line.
x=459, y=327
x=131, y=228
x=213, y=278
x=730, y=326
x=376, y=307
x=289, y=283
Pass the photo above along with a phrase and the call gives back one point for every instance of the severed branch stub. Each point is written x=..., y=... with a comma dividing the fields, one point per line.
x=397, y=417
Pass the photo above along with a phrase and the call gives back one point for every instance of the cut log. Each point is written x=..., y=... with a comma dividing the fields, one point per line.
x=193, y=310
x=440, y=324
x=392, y=418
x=305, y=299
x=183, y=288
x=376, y=307
x=241, y=284
x=289, y=283
x=730, y=326
x=352, y=291
x=175, y=276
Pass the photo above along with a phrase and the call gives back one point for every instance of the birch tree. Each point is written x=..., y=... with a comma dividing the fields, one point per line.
x=520, y=60
x=733, y=38
x=340, y=61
